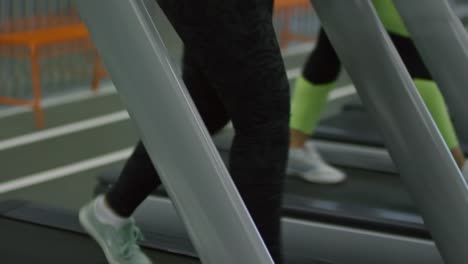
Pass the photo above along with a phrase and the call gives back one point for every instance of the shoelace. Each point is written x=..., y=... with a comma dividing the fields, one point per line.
x=130, y=246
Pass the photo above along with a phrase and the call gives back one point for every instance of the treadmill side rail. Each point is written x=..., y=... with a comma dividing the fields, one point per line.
x=157, y=100
x=415, y=144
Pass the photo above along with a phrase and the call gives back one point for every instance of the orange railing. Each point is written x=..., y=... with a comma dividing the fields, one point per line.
x=34, y=33
x=285, y=11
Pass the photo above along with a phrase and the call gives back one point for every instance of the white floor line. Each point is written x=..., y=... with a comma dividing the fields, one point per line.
x=302, y=49
x=99, y=161
x=80, y=125
x=106, y=120
x=63, y=130
x=112, y=117
x=341, y=92
x=293, y=73
x=105, y=89
x=65, y=171
x=85, y=94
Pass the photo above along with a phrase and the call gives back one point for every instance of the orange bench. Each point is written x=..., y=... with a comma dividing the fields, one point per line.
x=285, y=9
x=53, y=33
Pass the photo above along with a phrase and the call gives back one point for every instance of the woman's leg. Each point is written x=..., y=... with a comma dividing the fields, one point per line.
x=430, y=93
x=107, y=218
x=234, y=44
x=311, y=90
x=139, y=177
x=309, y=100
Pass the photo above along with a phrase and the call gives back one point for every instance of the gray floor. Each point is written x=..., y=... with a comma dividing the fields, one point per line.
x=55, y=154
x=44, y=157
x=61, y=151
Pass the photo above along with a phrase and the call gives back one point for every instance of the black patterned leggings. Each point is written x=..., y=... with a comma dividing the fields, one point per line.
x=233, y=70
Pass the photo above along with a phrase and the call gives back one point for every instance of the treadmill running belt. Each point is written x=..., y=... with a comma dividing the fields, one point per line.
x=365, y=188
x=40, y=234
x=365, y=212
x=371, y=200
x=354, y=125
x=28, y=243
x=366, y=200
x=30, y=238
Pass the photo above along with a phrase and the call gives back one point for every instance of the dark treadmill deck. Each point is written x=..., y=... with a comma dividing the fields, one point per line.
x=367, y=200
x=34, y=233
x=370, y=200
x=24, y=241
x=364, y=188
x=354, y=125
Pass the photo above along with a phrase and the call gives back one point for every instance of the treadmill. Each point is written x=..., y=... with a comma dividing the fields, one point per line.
x=353, y=125
x=370, y=208
x=226, y=234
x=34, y=233
x=331, y=228
x=351, y=138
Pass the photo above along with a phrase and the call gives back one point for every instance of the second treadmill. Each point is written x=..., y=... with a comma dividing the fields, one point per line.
x=370, y=218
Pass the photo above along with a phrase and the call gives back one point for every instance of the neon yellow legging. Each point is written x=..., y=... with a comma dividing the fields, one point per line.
x=310, y=99
x=390, y=17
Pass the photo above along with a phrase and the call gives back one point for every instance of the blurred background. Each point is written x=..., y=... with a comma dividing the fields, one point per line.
x=61, y=119
x=59, y=111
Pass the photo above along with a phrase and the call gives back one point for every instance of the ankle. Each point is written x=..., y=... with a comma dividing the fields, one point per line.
x=298, y=139
x=459, y=157
x=107, y=215
x=108, y=205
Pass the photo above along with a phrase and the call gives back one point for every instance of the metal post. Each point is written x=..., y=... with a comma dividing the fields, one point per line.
x=173, y=133
x=415, y=144
x=442, y=41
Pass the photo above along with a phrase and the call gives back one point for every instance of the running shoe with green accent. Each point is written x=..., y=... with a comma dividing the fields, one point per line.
x=120, y=245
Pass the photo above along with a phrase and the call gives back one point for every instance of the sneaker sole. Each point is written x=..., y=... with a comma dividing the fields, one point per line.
x=298, y=174
x=95, y=235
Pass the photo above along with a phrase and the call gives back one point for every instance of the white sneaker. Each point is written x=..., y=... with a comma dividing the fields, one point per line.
x=119, y=244
x=307, y=164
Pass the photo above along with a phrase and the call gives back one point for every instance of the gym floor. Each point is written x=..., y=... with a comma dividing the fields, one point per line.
x=87, y=134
